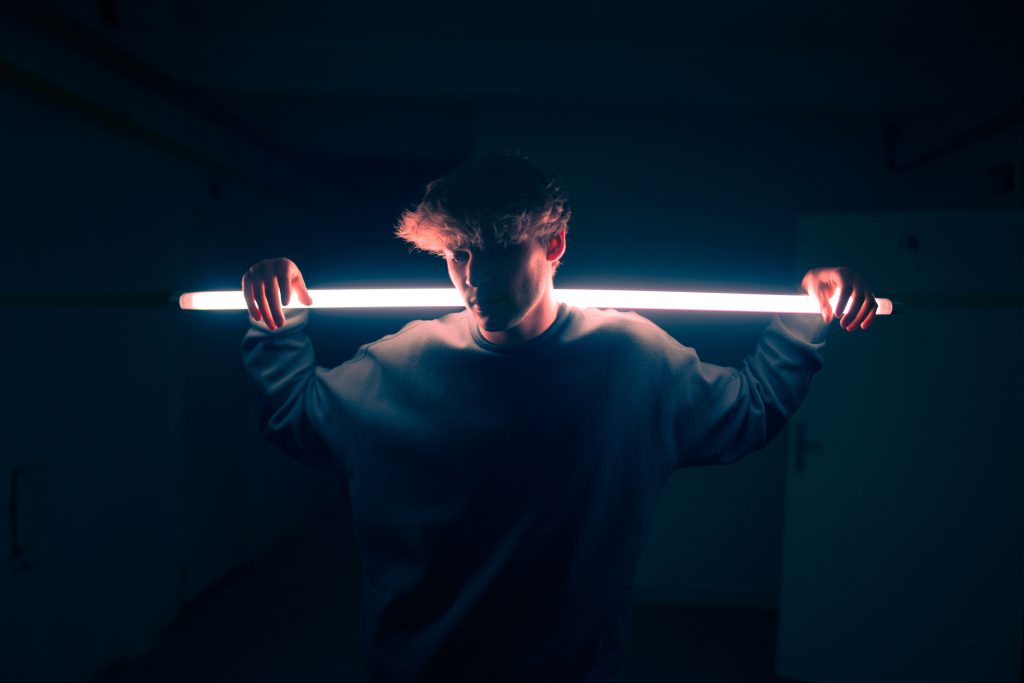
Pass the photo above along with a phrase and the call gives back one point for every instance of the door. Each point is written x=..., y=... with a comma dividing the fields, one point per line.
x=902, y=556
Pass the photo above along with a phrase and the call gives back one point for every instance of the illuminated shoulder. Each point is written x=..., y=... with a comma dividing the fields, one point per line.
x=417, y=337
x=625, y=326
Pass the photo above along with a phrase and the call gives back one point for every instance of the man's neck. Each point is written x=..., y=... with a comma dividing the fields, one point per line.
x=535, y=323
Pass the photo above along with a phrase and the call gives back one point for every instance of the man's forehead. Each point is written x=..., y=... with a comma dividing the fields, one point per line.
x=483, y=245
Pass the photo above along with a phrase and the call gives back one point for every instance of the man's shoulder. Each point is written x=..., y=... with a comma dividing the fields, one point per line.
x=613, y=324
x=417, y=335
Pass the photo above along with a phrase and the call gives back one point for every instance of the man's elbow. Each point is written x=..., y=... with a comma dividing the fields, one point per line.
x=289, y=429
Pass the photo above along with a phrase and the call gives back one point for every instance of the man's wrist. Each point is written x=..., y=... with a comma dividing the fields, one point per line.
x=293, y=317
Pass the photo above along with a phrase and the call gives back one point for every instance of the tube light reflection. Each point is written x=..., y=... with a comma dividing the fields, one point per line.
x=590, y=298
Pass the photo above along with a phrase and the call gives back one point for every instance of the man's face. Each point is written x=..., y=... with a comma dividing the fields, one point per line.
x=501, y=285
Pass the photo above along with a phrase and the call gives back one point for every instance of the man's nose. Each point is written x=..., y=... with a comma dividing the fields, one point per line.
x=478, y=271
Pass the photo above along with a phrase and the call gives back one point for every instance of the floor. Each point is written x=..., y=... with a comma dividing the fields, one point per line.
x=291, y=617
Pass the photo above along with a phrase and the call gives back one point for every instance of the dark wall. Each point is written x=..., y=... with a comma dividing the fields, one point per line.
x=131, y=460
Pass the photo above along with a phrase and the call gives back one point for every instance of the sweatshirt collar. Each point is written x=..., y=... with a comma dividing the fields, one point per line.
x=561, y=319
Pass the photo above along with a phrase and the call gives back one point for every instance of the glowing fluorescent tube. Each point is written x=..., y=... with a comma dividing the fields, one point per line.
x=627, y=299
x=333, y=298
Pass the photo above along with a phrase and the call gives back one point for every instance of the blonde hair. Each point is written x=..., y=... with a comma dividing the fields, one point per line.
x=499, y=199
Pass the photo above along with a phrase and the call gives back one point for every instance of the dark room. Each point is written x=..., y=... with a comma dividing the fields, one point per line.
x=542, y=342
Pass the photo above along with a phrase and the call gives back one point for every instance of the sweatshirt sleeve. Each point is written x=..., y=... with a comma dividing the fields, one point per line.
x=292, y=397
x=719, y=414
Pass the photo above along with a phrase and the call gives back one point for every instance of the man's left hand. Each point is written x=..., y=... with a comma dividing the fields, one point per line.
x=823, y=283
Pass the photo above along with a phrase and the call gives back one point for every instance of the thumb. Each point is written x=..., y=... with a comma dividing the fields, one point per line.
x=822, y=291
x=303, y=293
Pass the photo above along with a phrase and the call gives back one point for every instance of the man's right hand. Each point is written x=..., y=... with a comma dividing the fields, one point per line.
x=268, y=287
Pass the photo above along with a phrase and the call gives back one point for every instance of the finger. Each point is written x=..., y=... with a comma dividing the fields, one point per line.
x=855, y=302
x=261, y=297
x=808, y=283
x=303, y=292
x=862, y=313
x=842, y=302
x=247, y=293
x=286, y=287
x=826, y=308
x=867, y=321
x=274, y=297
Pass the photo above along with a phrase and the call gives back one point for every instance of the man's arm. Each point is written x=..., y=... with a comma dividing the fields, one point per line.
x=291, y=392
x=720, y=414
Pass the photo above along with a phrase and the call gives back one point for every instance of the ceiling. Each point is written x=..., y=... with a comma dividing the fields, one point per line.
x=802, y=26
x=297, y=70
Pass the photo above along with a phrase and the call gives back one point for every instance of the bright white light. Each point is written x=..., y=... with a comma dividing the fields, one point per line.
x=590, y=298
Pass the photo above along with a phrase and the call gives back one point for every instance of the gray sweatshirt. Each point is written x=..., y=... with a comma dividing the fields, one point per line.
x=501, y=496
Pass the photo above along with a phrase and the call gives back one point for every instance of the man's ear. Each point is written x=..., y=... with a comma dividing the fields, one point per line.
x=556, y=246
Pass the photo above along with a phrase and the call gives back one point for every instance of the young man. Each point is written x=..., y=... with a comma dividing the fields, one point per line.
x=504, y=461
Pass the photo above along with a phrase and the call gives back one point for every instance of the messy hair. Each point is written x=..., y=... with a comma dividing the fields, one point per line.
x=499, y=199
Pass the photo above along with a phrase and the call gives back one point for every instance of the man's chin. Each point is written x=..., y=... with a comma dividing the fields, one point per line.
x=494, y=327
x=493, y=324
x=494, y=321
